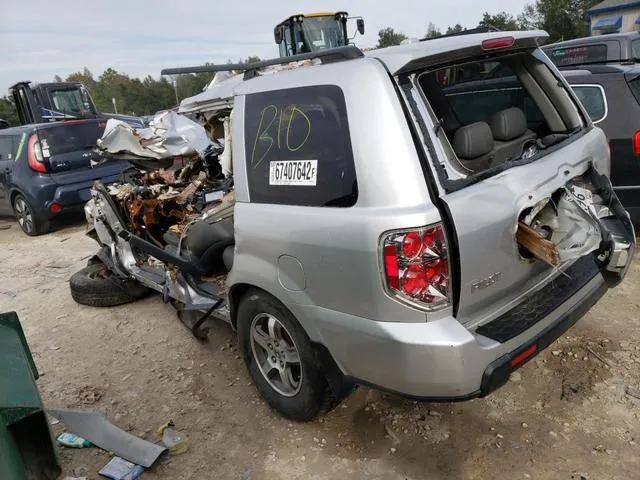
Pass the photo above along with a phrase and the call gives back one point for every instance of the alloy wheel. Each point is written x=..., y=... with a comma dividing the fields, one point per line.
x=276, y=354
x=25, y=217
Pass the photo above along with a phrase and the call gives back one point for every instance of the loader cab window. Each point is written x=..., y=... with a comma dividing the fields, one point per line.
x=298, y=148
x=73, y=101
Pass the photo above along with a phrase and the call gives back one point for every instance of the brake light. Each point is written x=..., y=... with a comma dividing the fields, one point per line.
x=636, y=143
x=416, y=265
x=55, y=208
x=523, y=356
x=73, y=122
x=35, y=158
x=495, y=43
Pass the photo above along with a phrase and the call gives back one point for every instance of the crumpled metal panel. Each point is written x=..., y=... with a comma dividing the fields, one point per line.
x=168, y=135
x=575, y=231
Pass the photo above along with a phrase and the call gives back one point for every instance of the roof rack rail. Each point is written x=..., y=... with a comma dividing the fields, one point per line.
x=329, y=55
x=470, y=31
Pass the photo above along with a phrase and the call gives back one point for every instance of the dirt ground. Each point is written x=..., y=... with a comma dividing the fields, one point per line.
x=563, y=416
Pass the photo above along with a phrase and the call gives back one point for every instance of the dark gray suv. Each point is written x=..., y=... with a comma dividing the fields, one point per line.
x=604, y=73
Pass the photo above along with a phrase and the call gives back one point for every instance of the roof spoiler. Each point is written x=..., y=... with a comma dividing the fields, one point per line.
x=420, y=56
x=330, y=55
x=469, y=31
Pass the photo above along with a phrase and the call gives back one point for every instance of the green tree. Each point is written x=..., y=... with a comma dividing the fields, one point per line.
x=387, y=37
x=457, y=28
x=562, y=19
x=8, y=112
x=501, y=21
x=432, y=31
x=252, y=59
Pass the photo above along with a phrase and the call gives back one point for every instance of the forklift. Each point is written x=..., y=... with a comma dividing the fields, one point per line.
x=310, y=32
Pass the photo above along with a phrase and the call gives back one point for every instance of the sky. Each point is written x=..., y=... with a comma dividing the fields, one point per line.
x=40, y=39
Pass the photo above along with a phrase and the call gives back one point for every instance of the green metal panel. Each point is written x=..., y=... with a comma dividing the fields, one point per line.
x=11, y=465
x=18, y=391
x=27, y=448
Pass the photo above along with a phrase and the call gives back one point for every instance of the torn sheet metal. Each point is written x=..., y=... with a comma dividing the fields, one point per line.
x=96, y=428
x=567, y=227
x=168, y=135
x=574, y=231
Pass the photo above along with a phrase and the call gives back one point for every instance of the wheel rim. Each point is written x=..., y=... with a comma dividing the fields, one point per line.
x=276, y=354
x=25, y=217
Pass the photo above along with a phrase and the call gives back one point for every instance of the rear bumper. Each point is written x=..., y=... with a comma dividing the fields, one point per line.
x=71, y=196
x=440, y=360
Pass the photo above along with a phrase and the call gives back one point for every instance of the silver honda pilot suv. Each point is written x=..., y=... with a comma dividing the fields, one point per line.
x=422, y=219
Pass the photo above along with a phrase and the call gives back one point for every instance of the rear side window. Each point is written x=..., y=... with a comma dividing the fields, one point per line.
x=635, y=49
x=593, y=99
x=578, y=55
x=634, y=85
x=298, y=148
x=6, y=147
x=63, y=138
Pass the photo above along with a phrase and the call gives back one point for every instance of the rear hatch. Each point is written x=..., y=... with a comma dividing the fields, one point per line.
x=68, y=150
x=509, y=136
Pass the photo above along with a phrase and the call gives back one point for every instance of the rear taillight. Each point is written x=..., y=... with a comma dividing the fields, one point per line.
x=636, y=143
x=495, y=43
x=34, y=155
x=416, y=266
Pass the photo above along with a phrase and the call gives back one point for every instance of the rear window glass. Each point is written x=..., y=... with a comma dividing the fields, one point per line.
x=593, y=99
x=298, y=148
x=578, y=55
x=63, y=138
x=491, y=113
x=476, y=91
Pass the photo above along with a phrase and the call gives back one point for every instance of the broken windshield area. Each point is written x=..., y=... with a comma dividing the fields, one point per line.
x=495, y=111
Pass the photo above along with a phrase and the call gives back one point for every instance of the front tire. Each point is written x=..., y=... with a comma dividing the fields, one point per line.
x=27, y=219
x=96, y=286
x=281, y=359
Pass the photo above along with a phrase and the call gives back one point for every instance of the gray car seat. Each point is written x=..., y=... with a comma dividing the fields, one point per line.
x=473, y=144
x=510, y=132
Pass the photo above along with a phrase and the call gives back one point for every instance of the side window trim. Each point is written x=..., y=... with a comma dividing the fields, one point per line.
x=604, y=98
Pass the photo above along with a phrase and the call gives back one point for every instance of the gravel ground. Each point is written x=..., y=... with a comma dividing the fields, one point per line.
x=563, y=416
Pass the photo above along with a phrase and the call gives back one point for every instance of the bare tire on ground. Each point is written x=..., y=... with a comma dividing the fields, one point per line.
x=95, y=285
x=281, y=359
x=27, y=219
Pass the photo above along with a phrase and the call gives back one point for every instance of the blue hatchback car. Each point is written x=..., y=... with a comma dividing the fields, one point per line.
x=46, y=170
